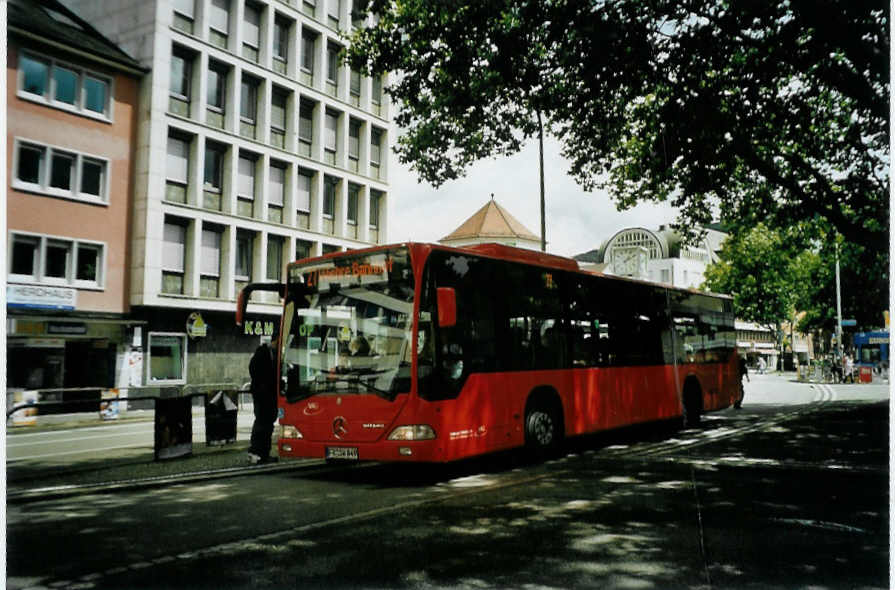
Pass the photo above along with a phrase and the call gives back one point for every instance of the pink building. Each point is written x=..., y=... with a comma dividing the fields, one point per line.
x=72, y=100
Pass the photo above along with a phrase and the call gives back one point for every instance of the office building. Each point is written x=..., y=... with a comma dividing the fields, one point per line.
x=255, y=147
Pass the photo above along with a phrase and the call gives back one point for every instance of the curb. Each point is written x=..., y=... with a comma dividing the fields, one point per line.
x=64, y=491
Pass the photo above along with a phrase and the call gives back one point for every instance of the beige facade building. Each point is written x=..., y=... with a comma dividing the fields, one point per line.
x=71, y=117
x=255, y=147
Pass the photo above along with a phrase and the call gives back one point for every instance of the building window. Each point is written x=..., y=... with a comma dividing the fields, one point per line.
x=173, y=257
x=34, y=74
x=25, y=257
x=56, y=261
x=177, y=169
x=54, y=172
x=244, y=249
x=184, y=15
x=281, y=30
x=303, y=249
x=65, y=83
x=214, y=167
x=276, y=192
x=31, y=164
x=309, y=7
x=63, y=86
x=303, y=192
x=278, y=101
x=308, y=40
x=167, y=358
x=354, y=86
x=216, y=95
x=353, y=192
x=376, y=91
x=246, y=172
x=375, y=152
x=219, y=21
x=245, y=187
x=61, y=170
x=329, y=197
x=96, y=93
x=353, y=144
x=305, y=127
x=332, y=68
x=88, y=263
x=330, y=133
x=210, y=261
x=303, y=199
x=375, y=201
x=251, y=32
x=248, y=105
x=274, y=258
x=181, y=76
x=333, y=10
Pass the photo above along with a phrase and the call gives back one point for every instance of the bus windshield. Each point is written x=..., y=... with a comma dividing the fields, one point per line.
x=347, y=326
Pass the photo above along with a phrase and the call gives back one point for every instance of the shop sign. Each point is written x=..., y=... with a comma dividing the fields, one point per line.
x=258, y=328
x=25, y=327
x=41, y=297
x=66, y=328
x=195, y=326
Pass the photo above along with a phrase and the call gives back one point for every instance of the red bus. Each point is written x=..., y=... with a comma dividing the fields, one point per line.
x=422, y=352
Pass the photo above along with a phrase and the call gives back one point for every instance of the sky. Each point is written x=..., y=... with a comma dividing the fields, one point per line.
x=577, y=221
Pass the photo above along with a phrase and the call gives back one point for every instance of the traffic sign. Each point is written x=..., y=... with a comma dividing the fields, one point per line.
x=849, y=322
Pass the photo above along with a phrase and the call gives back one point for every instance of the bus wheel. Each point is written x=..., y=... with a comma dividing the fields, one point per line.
x=543, y=427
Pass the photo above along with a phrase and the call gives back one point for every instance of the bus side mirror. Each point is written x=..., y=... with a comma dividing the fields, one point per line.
x=447, y=307
x=243, y=298
x=241, y=301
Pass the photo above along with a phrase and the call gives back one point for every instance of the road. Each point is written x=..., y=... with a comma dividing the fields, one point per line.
x=71, y=443
x=68, y=444
x=789, y=492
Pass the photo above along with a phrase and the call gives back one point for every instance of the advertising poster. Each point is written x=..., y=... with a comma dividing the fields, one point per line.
x=28, y=416
x=173, y=428
x=109, y=410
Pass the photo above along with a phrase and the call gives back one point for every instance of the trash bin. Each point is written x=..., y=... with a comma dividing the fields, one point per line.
x=220, y=419
x=173, y=428
x=865, y=374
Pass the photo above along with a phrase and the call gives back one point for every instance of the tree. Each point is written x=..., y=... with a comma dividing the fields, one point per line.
x=757, y=267
x=769, y=112
x=775, y=274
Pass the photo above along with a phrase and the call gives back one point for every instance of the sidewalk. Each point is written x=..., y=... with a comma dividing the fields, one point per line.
x=129, y=467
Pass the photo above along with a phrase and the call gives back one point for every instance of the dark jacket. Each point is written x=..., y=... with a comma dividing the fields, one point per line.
x=263, y=371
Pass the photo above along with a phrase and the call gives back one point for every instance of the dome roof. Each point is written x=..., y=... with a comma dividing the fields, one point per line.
x=493, y=222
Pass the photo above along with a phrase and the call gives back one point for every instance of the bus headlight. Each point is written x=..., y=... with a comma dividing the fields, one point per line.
x=412, y=432
x=290, y=431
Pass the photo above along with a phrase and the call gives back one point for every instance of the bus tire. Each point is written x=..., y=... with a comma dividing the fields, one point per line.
x=692, y=402
x=543, y=425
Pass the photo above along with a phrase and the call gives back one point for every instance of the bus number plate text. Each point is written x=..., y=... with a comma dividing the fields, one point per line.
x=341, y=453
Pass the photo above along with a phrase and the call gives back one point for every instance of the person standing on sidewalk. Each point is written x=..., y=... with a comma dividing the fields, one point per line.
x=263, y=370
x=744, y=373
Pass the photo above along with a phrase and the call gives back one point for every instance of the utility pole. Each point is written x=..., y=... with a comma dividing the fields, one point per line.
x=543, y=214
x=838, y=308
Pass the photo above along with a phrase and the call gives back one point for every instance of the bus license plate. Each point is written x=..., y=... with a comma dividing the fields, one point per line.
x=341, y=453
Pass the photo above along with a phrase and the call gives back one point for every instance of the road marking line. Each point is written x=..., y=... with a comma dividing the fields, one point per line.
x=59, y=454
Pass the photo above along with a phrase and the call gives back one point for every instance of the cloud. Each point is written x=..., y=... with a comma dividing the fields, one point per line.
x=577, y=221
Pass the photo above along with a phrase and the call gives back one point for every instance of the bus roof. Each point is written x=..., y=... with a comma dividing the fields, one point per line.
x=511, y=253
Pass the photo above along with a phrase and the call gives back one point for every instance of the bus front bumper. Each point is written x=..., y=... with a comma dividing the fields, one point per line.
x=388, y=450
